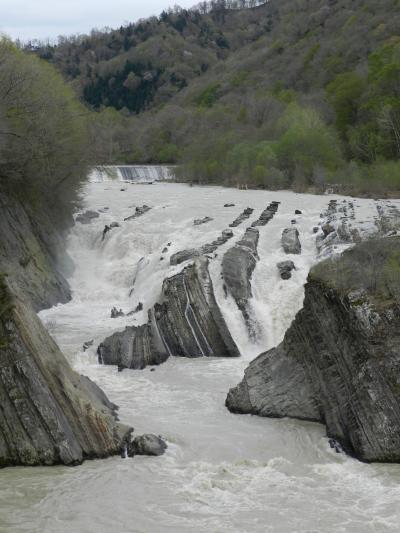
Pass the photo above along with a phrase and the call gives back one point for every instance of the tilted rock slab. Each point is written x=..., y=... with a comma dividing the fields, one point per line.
x=189, y=320
x=188, y=323
x=49, y=414
x=238, y=265
x=339, y=362
x=132, y=348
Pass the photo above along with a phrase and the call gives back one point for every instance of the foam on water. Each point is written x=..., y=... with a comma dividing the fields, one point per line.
x=222, y=472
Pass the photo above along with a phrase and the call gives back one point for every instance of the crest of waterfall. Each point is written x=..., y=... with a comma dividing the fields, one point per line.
x=132, y=173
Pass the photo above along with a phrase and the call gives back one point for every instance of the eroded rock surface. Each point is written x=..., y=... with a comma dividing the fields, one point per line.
x=238, y=265
x=189, y=320
x=49, y=414
x=285, y=269
x=187, y=323
x=290, y=241
x=339, y=362
x=147, y=444
x=132, y=348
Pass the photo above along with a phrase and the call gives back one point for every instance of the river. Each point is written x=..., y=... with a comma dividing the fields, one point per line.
x=222, y=473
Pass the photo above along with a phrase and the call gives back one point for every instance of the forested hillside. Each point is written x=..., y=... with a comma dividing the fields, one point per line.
x=299, y=93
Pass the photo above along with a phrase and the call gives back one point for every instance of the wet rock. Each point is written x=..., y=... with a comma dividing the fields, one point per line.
x=108, y=228
x=229, y=205
x=147, y=444
x=339, y=361
x=115, y=313
x=199, y=221
x=164, y=250
x=315, y=229
x=327, y=229
x=189, y=321
x=137, y=309
x=238, y=265
x=297, y=212
x=49, y=413
x=266, y=215
x=184, y=255
x=290, y=241
x=285, y=269
x=87, y=345
x=134, y=348
x=243, y=216
x=87, y=217
x=139, y=211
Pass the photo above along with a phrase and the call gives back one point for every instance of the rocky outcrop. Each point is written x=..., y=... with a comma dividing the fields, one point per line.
x=290, y=241
x=49, y=414
x=266, y=215
x=187, y=323
x=32, y=252
x=191, y=253
x=132, y=348
x=285, y=269
x=139, y=211
x=238, y=265
x=189, y=320
x=339, y=362
x=243, y=216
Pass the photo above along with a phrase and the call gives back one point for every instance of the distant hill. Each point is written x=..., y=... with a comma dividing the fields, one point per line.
x=295, y=93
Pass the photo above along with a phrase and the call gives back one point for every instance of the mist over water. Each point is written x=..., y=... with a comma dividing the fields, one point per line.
x=222, y=472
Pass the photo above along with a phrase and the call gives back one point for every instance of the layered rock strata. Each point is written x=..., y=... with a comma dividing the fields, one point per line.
x=49, y=414
x=339, y=362
x=187, y=322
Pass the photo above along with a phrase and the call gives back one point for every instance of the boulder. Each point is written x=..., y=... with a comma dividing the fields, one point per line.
x=115, y=313
x=134, y=348
x=290, y=241
x=285, y=269
x=147, y=444
x=339, y=363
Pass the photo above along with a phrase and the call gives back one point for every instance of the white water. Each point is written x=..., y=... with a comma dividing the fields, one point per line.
x=132, y=173
x=222, y=473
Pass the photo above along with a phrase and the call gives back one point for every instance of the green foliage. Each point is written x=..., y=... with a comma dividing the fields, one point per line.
x=306, y=142
x=208, y=96
x=344, y=93
x=44, y=150
x=315, y=88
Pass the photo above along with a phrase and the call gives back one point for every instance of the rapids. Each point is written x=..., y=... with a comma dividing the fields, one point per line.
x=222, y=473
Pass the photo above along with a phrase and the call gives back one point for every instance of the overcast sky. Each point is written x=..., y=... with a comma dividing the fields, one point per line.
x=32, y=19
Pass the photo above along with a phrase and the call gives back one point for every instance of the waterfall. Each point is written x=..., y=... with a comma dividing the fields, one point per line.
x=132, y=173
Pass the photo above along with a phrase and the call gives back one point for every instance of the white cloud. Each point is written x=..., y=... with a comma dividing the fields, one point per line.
x=33, y=19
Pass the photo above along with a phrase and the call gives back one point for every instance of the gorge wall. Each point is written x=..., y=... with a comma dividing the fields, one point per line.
x=48, y=413
x=339, y=361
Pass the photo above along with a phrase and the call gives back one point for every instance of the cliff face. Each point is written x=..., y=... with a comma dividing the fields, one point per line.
x=339, y=362
x=33, y=254
x=49, y=414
